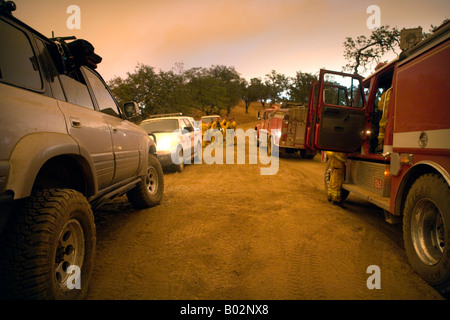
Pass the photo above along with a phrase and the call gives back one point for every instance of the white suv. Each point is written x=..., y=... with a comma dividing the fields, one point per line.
x=178, y=139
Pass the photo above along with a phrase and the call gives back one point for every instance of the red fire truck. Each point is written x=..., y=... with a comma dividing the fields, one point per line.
x=286, y=127
x=410, y=177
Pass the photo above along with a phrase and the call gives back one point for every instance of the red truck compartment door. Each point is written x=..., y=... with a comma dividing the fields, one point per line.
x=339, y=116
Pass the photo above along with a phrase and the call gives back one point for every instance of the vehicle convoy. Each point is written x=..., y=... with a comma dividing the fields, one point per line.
x=178, y=139
x=66, y=148
x=286, y=127
x=401, y=163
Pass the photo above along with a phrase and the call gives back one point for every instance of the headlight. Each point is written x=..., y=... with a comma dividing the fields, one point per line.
x=165, y=144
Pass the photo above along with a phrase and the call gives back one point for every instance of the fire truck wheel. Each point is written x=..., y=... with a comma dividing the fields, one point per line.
x=344, y=193
x=426, y=230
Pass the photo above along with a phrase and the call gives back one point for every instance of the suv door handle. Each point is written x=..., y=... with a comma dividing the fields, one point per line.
x=76, y=123
x=115, y=130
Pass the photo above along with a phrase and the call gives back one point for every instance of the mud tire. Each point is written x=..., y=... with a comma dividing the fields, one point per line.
x=50, y=230
x=148, y=193
x=426, y=230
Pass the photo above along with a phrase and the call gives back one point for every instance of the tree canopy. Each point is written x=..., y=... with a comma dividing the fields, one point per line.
x=209, y=90
x=365, y=51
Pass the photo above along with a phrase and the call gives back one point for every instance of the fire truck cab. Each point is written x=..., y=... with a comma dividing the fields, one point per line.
x=406, y=172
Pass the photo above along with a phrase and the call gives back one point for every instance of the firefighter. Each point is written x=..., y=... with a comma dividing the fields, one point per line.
x=224, y=123
x=216, y=124
x=232, y=124
x=337, y=166
x=205, y=127
x=383, y=107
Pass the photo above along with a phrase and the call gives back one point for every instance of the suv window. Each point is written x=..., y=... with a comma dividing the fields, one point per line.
x=186, y=125
x=18, y=64
x=105, y=101
x=342, y=90
x=76, y=92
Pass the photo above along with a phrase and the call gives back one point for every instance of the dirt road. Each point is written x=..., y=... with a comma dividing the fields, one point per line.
x=227, y=232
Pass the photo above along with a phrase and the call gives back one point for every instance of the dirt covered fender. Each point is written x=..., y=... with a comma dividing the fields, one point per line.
x=148, y=147
x=31, y=153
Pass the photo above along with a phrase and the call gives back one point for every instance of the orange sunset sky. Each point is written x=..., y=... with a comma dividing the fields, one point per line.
x=254, y=36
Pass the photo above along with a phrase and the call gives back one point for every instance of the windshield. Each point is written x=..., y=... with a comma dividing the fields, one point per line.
x=342, y=90
x=160, y=125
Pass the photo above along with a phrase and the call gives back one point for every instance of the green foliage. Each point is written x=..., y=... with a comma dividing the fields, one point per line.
x=229, y=81
x=209, y=90
x=277, y=85
x=258, y=91
x=206, y=92
x=364, y=51
x=155, y=93
x=300, y=87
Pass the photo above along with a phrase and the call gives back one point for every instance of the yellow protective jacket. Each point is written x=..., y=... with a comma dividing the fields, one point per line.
x=383, y=107
x=216, y=125
x=204, y=127
x=337, y=175
x=339, y=156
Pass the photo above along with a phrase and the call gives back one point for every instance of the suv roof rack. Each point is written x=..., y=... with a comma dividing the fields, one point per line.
x=165, y=115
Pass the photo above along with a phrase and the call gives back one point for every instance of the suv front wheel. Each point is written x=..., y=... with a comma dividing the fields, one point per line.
x=49, y=248
x=149, y=191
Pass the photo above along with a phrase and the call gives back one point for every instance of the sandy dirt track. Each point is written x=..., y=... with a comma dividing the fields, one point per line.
x=226, y=232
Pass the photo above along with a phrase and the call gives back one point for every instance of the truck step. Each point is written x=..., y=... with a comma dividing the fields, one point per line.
x=382, y=202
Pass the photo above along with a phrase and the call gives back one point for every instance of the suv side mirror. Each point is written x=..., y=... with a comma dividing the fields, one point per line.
x=131, y=109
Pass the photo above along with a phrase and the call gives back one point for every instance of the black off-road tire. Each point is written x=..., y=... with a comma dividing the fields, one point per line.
x=48, y=232
x=148, y=193
x=426, y=230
